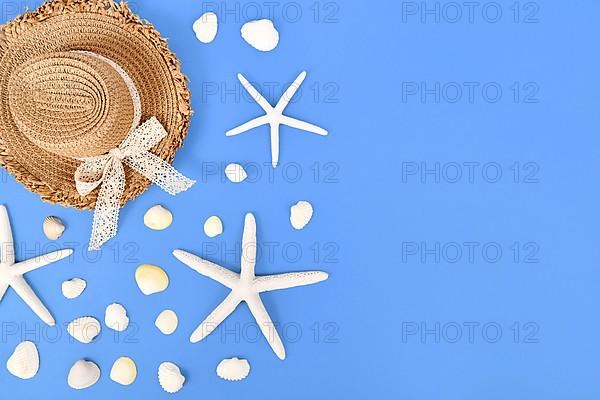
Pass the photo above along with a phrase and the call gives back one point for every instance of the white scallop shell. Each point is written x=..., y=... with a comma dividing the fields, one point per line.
x=301, y=214
x=233, y=369
x=260, y=34
x=84, y=329
x=73, y=288
x=151, y=279
x=24, y=362
x=123, y=371
x=166, y=322
x=170, y=377
x=83, y=374
x=213, y=226
x=53, y=227
x=115, y=317
x=236, y=173
x=206, y=27
x=158, y=218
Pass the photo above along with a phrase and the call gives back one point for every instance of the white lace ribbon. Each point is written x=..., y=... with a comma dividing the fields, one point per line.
x=107, y=172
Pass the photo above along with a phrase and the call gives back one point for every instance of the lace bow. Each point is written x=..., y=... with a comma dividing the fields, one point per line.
x=107, y=170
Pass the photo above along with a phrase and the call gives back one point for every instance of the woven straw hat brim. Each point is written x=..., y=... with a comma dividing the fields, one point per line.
x=113, y=31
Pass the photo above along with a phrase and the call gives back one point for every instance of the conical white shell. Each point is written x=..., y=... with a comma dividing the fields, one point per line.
x=24, y=362
x=158, y=218
x=166, y=322
x=151, y=279
x=84, y=329
x=170, y=377
x=83, y=374
x=115, y=317
x=260, y=34
x=206, y=27
x=73, y=288
x=53, y=227
x=123, y=371
x=236, y=173
x=233, y=369
x=213, y=226
x=301, y=214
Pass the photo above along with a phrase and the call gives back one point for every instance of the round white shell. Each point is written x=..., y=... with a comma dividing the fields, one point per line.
x=84, y=329
x=53, y=227
x=301, y=214
x=158, y=218
x=73, y=288
x=83, y=374
x=24, y=362
x=123, y=371
x=170, y=377
x=233, y=369
x=260, y=34
x=236, y=173
x=166, y=322
x=115, y=317
x=151, y=279
x=213, y=226
x=206, y=27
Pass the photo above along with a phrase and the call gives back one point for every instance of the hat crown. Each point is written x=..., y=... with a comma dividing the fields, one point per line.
x=72, y=104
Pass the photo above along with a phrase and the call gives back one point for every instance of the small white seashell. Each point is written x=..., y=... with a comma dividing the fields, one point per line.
x=166, y=322
x=83, y=374
x=233, y=369
x=158, y=218
x=170, y=377
x=206, y=27
x=236, y=173
x=84, y=329
x=115, y=317
x=260, y=34
x=123, y=371
x=151, y=279
x=53, y=228
x=213, y=226
x=24, y=362
x=73, y=288
x=301, y=214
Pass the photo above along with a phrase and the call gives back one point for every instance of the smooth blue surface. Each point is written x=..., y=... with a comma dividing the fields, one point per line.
x=363, y=57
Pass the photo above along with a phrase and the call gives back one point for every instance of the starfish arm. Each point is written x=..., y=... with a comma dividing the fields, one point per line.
x=284, y=281
x=7, y=251
x=216, y=272
x=23, y=267
x=215, y=318
x=3, y=289
x=290, y=92
x=31, y=299
x=275, y=144
x=305, y=126
x=254, y=123
x=262, y=102
x=248, y=248
x=258, y=310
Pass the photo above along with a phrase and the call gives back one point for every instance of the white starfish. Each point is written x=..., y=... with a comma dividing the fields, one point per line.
x=11, y=273
x=274, y=115
x=247, y=287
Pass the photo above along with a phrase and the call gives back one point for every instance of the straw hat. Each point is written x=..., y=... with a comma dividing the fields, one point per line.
x=70, y=72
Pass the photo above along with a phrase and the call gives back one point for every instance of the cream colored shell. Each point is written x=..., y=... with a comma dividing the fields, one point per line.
x=233, y=369
x=115, y=317
x=158, y=218
x=84, y=329
x=83, y=374
x=213, y=226
x=300, y=214
x=73, y=288
x=170, y=377
x=151, y=279
x=123, y=371
x=53, y=228
x=260, y=34
x=24, y=362
x=167, y=322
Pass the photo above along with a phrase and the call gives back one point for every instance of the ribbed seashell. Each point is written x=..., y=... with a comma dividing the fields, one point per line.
x=300, y=214
x=236, y=173
x=151, y=279
x=166, y=322
x=213, y=226
x=24, y=362
x=84, y=329
x=170, y=377
x=233, y=369
x=123, y=371
x=53, y=227
x=115, y=317
x=260, y=34
x=73, y=288
x=83, y=374
x=158, y=218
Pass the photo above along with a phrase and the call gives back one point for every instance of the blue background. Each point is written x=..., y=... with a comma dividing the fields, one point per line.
x=349, y=337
